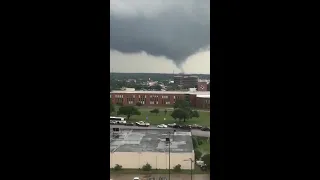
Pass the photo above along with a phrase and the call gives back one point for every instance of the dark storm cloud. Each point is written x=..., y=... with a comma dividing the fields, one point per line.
x=176, y=31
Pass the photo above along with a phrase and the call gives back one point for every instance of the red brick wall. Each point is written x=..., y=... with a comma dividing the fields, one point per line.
x=195, y=102
x=203, y=103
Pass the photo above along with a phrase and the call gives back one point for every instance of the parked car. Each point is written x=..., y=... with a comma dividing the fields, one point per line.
x=113, y=122
x=162, y=126
x=122, y=122
x=172, y=125
x=177, y=126
x=141, y=123
x=196, y=126
x=186, y=127
x=205, y=129
x=136, y=178
x=129, y=124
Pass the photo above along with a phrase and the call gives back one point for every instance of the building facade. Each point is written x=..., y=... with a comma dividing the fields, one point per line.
x=198, y=99
x=186, y=81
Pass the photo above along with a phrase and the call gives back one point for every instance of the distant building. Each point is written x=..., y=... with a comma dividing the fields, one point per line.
x=186, y=81
x=202, y=86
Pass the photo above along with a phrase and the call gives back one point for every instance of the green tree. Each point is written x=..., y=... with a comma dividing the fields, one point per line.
x=177, y=168
x=128, y=111
x=195, y=114
x=197, y=154
x=157, y=87
x=181, y=104
x=117, y=167
x=156, y=111
x=206, y=160
x=195, y=142
x=180, y=114
x=146, y=167
x=112, y=109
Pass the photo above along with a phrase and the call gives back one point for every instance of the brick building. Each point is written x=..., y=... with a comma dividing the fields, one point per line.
x=199, y=99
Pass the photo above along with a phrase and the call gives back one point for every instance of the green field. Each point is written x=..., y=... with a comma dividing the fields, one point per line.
x=203, y=120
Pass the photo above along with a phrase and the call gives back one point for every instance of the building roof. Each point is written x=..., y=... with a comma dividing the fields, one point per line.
x=142, y=140
x=203, y=96
x=164, y=92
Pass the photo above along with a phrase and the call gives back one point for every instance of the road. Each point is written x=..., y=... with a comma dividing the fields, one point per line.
x=195, y=132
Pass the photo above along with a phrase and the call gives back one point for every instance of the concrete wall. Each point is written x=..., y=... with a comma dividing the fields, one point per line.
x=135, y=160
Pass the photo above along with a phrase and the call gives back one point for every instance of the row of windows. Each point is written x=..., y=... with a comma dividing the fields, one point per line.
x=151, y=96
x=130, y=102
x=118, y=100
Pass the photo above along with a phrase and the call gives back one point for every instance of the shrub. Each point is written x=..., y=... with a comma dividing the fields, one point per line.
x=146, y=167
x=200, y=142
x=117, y=167
x=139, y=104
x=177, y=168
x=206, y=160
x=194, y=142
x=197, y=154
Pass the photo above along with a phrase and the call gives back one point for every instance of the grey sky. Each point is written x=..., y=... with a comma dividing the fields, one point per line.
x=160, y=36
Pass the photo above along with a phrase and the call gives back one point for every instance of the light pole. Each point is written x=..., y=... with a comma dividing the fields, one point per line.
x=191, y=161
x=169, y=141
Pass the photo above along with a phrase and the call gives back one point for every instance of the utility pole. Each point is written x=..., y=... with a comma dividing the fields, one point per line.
x=191, y=168
x=169, y=141
x=191, y=161
x=169, y=155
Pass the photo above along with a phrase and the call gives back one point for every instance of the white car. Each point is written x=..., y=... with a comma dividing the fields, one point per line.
x=171, y=125
x=136, y=178
x=122, y=122
x=141, y=123
x=162, y=126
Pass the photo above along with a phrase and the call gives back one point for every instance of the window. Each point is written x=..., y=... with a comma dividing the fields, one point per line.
x=167, y=102
x=174, y=97
x=151, y=102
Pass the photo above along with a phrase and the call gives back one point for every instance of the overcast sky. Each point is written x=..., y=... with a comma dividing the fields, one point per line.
x=160, y=36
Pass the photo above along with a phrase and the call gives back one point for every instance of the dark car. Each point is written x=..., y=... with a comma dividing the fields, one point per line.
x=205, y=129
x=129, y=124
x=177, y=126
x=186, y=127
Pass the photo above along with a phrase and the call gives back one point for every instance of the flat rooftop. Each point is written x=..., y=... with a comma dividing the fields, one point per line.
x=164, y=92
x=146, y=140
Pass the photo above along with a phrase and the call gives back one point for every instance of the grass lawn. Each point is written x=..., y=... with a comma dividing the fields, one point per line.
x=205, y=146
x=196, y=170
x=203, y=120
